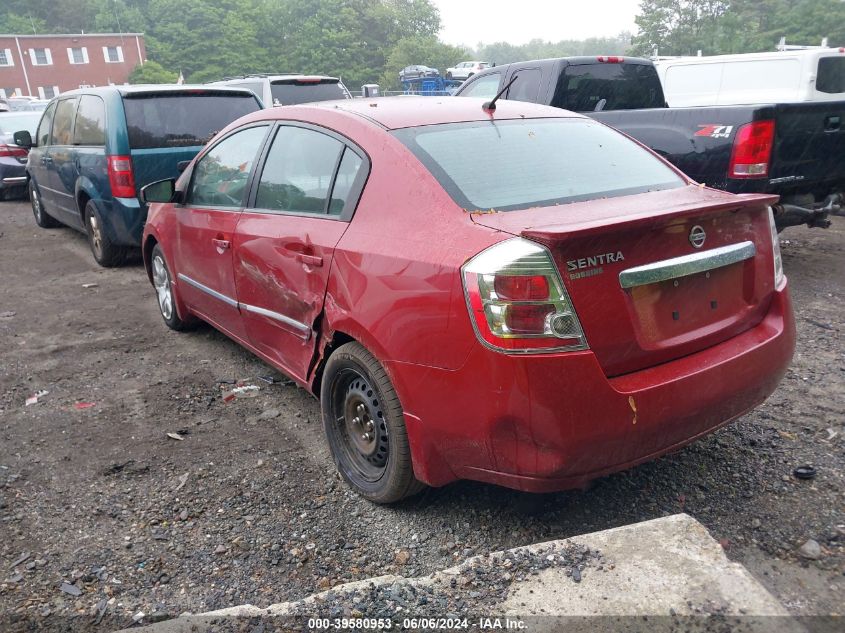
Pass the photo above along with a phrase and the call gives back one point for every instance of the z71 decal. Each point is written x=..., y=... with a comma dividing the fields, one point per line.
x=713, y=130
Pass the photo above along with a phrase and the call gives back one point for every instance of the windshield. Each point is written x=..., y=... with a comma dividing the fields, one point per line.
x=181, y=120
x=517, y=164
x=607, y=86
x=11, y=123
x=831, y=75
x=293, y=92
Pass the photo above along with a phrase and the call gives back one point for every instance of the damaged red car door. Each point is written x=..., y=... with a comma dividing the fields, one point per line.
x=285, y=240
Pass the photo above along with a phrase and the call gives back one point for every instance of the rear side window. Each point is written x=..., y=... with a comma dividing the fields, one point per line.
x=221, y=175
x=608, y=86
x=485, y=87
x=831, y=75
x=90, y=128
x=518, y=164
x=526, y=86
x=42, y=137
x=298, y=172
x=181, y=120
x=63, y=122
x=347, y=175
x=298, y=91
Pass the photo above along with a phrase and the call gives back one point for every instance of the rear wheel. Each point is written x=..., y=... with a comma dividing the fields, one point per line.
x=41, y=218
x=106, y=252
x=365, y=427
x=163, y=284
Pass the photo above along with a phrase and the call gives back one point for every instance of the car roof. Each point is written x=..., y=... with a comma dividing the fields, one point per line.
x=393, y=113
x=141, y=89
x=271, y=78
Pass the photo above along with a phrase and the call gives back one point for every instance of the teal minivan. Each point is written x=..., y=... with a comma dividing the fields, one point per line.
x=96, y=147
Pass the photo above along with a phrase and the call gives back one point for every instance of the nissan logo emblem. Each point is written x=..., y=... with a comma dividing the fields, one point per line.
x=697, y=236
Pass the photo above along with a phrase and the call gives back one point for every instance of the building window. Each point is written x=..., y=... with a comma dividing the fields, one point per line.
x=6, y=57
x=40, y=57
x=77, y=55
x=113, y=54
x=48, y=92
x=7, y=93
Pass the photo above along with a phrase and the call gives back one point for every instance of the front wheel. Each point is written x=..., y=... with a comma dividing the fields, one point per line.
x=41, y=218
x=163, y=284
x=365, y=426
x=107, y=253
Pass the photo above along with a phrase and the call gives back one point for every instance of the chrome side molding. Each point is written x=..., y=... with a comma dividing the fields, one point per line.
x=687, y=265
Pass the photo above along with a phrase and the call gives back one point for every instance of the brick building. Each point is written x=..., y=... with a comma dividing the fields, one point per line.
x=45, y=65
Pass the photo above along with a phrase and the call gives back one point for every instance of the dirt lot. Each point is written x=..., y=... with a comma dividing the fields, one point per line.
x=247, y=508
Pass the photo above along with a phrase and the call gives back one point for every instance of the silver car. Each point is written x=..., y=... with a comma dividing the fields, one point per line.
x=465, y=70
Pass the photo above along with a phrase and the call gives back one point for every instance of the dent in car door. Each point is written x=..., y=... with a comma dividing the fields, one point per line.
x=206, y=227
x=305, y=195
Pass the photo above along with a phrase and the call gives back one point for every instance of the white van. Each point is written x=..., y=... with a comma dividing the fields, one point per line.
x=289, y=89
x=789, y=76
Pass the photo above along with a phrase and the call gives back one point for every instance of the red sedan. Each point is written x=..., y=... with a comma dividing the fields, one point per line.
x=521, y=296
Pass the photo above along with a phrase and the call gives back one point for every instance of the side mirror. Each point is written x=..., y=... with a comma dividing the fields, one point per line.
x=23, y=139
x=182, y=165
x=159, y=191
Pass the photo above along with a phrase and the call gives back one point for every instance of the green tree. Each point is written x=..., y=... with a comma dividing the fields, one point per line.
x=426, y=50
x=152, y=73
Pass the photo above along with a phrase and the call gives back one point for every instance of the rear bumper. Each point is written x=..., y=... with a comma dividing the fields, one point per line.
x=124, y=220
x=12, y=173
x=554, y=422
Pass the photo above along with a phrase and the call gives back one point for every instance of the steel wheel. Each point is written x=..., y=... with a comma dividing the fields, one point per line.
x=106, y=252
x=161, y=282
x=360, y=424
x=95, y=234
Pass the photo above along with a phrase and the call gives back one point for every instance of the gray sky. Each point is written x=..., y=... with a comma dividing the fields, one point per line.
x=518, y=21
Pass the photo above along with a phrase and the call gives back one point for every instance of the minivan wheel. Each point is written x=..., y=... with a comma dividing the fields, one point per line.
x=105, y=251
x=365, y=427
x=163, y=284
x=41, y=218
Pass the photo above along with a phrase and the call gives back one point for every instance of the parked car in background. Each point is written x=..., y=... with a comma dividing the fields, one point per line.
x=96, y=147
x=465, y=70
x=30, y=104
x=793, y=150
x=13, y=158
x=798, y=75
x=289, y=89
x=574, y=312
x=411, y=73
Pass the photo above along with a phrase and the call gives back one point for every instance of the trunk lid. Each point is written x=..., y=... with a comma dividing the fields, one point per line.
x=672, y=307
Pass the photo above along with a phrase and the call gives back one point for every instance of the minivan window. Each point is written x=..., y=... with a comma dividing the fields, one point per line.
x=43, y=135
x=526, y=86
x=221, y=175
x=485, y=87
x=298, y=171
x=293, y=91
x=90, y=128
x=518, y=164
x=63, y=123
x=831, y=75
x=608, y=86
x=157, y=120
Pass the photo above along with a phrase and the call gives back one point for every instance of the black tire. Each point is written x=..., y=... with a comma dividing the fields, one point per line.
x=358, y=400
x=42, y=219
x=106, y=252
x=163, y=284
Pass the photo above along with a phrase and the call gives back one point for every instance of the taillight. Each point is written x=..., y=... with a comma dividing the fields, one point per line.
x=517, y=300
x=752, y=150
x=776, y=255
x=12, y=150
x=121, y=178
x=610, y=59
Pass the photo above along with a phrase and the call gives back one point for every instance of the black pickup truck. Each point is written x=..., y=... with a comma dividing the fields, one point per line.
x=795, y=150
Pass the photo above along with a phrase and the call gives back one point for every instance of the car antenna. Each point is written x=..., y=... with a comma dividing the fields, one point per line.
x=490, y=106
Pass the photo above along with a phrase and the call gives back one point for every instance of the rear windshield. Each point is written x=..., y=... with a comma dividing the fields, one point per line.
x=179, y=120
x=509, y=165
x=293, y=92
x=831, y=75
x=607, y=86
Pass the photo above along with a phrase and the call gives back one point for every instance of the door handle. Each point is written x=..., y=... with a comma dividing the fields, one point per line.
x=45, y=160
x=311, y=260
x=221, y=245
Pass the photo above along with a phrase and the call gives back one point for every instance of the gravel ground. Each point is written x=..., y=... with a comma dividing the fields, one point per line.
x=103, y=515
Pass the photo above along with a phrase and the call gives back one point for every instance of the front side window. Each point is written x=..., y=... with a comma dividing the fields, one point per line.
x=221, y=176
x=485, y=87
x=831, y=75
x=298, y=172
x=42, y=137
x=63, y=123
x=90, y=128
x=518, y=164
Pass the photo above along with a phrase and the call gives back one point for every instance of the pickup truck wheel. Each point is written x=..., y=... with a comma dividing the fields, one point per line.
x=163, y=284
x=41, y=218
x=105, y=251
x=365, y=427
